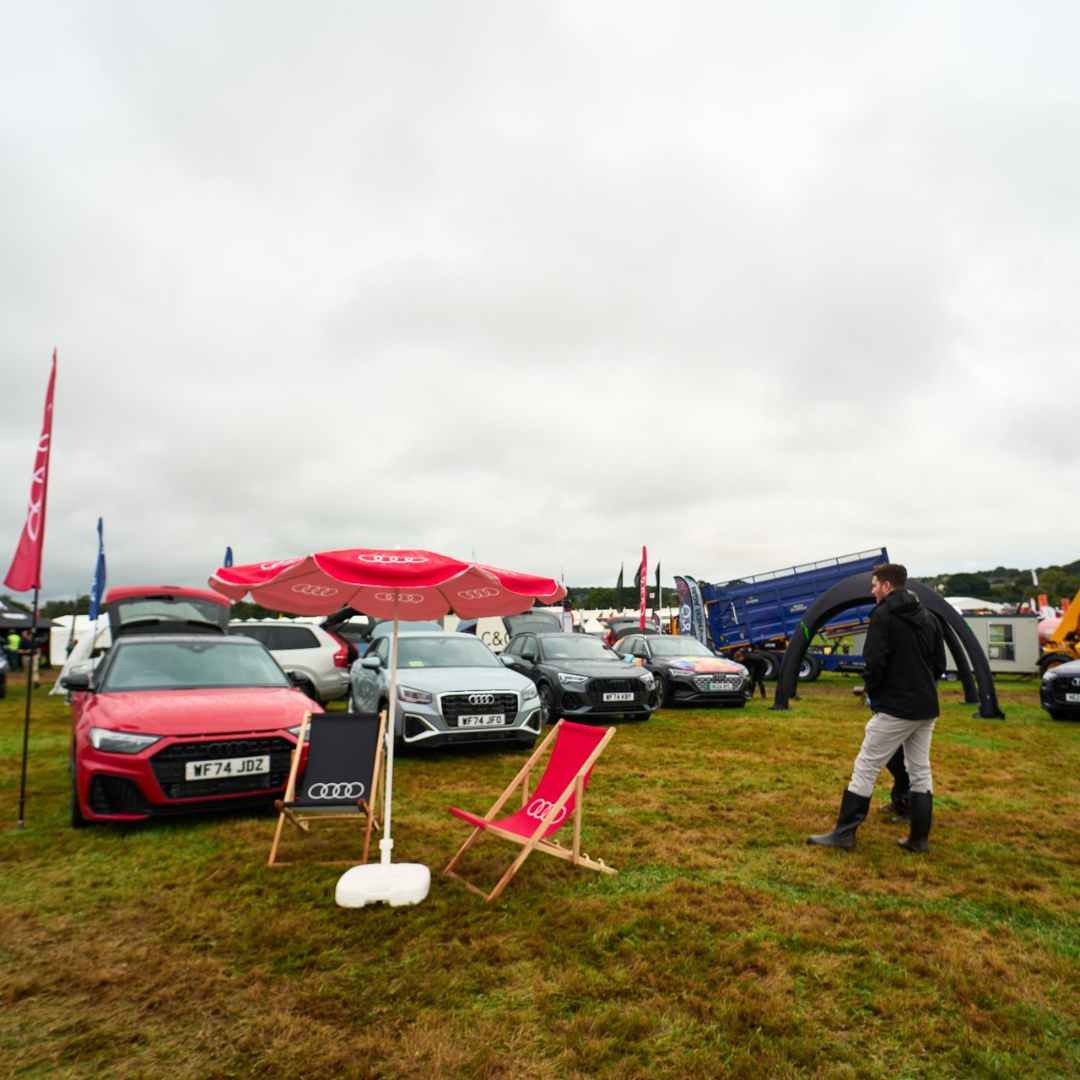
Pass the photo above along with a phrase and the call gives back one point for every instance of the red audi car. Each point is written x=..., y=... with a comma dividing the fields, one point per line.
x=177, y=723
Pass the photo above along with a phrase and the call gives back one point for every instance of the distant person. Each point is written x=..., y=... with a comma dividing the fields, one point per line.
x=757, y=666
x=12, y=645
x=905, y=656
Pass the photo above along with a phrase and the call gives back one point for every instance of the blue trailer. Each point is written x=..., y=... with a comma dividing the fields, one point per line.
x=762, y=611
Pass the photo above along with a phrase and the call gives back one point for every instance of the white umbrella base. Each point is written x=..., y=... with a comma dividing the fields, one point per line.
x=395, y=884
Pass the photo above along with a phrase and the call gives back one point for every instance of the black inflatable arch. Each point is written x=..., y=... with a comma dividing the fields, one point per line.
x=854, y=591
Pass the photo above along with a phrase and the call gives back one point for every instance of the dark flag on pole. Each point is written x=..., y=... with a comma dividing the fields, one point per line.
x=619, y=590
x=97, y=590
x=228, y=560
x=659, y=594
x=643, y=583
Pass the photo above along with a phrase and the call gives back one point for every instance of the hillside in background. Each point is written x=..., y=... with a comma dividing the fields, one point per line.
x=1009, y=585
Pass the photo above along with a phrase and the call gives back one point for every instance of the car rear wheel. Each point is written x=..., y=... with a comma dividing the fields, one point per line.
x=308, y=688
x=809, y=668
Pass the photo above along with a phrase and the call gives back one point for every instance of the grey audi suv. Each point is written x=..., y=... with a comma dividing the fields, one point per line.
x=451, y=689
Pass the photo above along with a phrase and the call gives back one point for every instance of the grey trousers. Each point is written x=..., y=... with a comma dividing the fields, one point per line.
x=884, y=733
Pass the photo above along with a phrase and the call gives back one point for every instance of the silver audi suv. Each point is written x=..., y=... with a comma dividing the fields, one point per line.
x=451, y=689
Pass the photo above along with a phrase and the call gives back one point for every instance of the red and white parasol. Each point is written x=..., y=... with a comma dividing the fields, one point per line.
x=390, y=584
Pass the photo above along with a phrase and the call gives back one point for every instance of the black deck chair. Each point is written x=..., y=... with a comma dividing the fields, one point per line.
x=340, y=780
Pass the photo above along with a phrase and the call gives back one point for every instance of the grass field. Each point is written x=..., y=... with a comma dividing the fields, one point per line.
x=724, y=946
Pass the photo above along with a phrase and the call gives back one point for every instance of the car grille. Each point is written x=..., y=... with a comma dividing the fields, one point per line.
x=457, y=705
x=1062, y=686
x=599, y=687
x=726, y=682
x=115, y=795
x=168, y=765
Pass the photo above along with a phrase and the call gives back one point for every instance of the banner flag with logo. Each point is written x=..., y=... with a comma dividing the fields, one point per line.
x=25, y=572
x=97, y=590
x=643, y=583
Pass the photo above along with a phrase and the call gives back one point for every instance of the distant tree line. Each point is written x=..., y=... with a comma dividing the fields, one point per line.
x=1009, y=585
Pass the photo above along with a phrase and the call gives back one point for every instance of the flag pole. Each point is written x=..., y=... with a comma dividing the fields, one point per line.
x=26, y=720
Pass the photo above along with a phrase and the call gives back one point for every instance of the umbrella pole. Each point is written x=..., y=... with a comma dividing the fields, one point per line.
x=386, y=844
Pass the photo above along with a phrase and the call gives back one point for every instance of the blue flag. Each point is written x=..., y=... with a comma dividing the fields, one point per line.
x=228, y=557
x=97, y=590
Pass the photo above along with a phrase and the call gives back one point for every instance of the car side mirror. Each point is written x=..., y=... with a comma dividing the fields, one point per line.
x=371, y=663
x=530, y=656
x=506, y=660
x=76, y=681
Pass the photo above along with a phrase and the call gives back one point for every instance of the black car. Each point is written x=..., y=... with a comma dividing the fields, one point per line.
x=1060, y=691
x=687, y=671
x=578, y=676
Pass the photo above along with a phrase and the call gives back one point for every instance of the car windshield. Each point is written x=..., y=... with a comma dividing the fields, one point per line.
x=678, y=646
x=438, y=652
x=189, y=665
x=532, y=623
x=576, y=647
x=405, y=626
x=168, y=609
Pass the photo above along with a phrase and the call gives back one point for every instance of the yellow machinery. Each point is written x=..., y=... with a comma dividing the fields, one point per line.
x=1063, y=644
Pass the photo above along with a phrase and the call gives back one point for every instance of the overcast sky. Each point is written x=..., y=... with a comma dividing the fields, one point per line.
x=752, y=284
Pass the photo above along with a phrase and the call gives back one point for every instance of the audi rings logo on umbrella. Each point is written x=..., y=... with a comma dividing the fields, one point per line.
x=481, y=699
x=539, y=808
x=350, y=789
x=314, y=590
x=392, y=559
x=479, y=594
x=400, y=598
x=279, y=565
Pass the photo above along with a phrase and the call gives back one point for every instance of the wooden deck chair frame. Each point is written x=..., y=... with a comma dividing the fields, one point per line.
x=302, y=820
x=537, y=842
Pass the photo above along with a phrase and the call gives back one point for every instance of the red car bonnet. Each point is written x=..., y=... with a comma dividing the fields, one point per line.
x=199, y=712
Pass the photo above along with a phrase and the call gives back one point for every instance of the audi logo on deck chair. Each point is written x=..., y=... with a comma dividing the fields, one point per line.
x=349, y=790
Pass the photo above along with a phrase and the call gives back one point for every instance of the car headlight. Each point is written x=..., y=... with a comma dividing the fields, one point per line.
x=529, y=692
x=1049, y=676
x=417, y=697
x=120, y=742
x=575, y=682
x=681, y=673
x=648, y=680
x=295, y=732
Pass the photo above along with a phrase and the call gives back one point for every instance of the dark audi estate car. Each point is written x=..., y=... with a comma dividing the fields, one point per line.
x=686, y=670
x=1060, y=691
x=578, y=676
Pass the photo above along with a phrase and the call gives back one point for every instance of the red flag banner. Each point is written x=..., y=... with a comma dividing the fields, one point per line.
x=25, y=572
x=644, y=584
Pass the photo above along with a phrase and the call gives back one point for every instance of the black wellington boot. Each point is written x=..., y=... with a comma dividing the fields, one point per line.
x=899, y=804
x=853, y=811
x=922, y=811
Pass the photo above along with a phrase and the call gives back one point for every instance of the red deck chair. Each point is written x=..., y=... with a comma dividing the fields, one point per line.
x=557, y=797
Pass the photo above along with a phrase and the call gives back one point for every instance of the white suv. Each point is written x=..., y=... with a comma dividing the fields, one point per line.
x=317, y=660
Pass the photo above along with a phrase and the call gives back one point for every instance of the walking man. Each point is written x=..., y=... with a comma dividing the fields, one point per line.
x=905, y=656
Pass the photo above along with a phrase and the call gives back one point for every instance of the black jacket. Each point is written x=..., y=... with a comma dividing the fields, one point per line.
x=905, y=656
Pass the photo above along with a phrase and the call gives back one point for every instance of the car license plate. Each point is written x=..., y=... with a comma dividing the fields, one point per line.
x=226, y=767
x=720, y=684
x=1073, y=699
x=494, y=719
x=619, y=697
